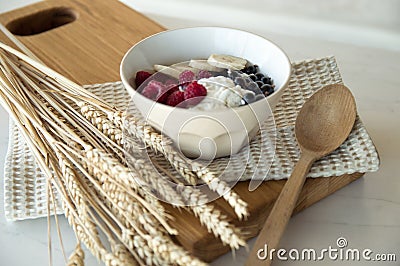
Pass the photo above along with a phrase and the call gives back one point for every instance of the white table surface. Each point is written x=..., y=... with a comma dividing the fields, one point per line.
x=366, y=212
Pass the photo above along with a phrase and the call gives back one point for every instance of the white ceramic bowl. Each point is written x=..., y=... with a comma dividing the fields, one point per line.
x=206, y=134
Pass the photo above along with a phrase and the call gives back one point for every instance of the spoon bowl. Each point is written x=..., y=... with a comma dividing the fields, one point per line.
x=322, y=125
x=326, y=119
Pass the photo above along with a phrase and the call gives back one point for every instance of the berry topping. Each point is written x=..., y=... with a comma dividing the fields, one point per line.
x=204, y=74
x=150, y=92
x=266, y=80
x=249, y=97
x=170, y=83
x=251, y=69
x=253, y=77
x=259, y=97
x=156, y=91
x=187, y=86
x=267, y=89
x=164, y=93
x=259, y=83
x=259, y=75
x=254, y=88
x=141, y=76
x=240, y=81
x=175, y=98
x=186, y=76
x=195, y=93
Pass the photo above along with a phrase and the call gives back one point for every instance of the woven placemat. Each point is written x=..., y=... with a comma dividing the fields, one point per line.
x=25, y=186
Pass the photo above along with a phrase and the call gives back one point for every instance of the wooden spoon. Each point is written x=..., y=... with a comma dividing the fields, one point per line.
x=322, y=125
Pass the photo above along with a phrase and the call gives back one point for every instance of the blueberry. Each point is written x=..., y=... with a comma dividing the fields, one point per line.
x=253, y=87
x=251, y=69
x=259, y=97
x=245, y=70
x=259, y=75
x=259, y=83
x=233, y=74
x=266, y=88
x=253, y=77
x=266, y=80
x=240, y=81
x=223, y=73
x=249, y=97
x=255, y=69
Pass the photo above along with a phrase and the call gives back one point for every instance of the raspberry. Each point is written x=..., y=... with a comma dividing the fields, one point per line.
x=170, y=83
x=195, y=93
x=175, y=98
x=150, y=92
x=163, y=96
x=155, y=90
x=141, y=76
x=204, y=74
x=186, y=76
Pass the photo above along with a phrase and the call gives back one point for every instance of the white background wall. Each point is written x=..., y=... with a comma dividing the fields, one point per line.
x=371, y=23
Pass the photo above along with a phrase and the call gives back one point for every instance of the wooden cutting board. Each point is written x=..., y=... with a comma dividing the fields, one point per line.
x=87, y=47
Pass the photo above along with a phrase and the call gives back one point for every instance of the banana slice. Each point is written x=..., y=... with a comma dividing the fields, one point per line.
x=204, y=65
x=227, y=61
x=167, y=70
x=174, y=70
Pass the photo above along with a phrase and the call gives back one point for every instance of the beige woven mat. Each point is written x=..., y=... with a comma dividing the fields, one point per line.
x=25, y=185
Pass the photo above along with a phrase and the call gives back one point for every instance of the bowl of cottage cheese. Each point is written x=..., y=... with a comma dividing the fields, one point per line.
x=209, y=89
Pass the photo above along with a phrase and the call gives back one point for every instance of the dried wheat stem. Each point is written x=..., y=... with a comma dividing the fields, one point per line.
x=66, y=84
x=111, y=167
x=19, y=44
x=139, y=244
x=77, y=257
x=117, y=231
x=123, y=254
x=211, y=217
x=76, y=194
x=158, y=143
x=111, y=208
x=101, y=121
x=94, y=246
x=223, y=189
x=168, y=252
x=84, y=237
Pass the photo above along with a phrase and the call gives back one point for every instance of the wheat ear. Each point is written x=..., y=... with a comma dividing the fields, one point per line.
x=159, y=143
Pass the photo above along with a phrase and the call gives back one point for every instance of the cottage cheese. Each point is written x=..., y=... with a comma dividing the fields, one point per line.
x=222, y=92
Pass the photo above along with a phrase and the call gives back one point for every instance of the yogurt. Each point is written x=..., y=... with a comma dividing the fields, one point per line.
x=222, y=92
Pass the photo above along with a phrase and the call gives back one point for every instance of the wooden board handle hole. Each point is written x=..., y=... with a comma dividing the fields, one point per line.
x=42, y=21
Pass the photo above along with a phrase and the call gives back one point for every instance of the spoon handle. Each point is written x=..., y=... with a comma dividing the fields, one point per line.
x=280, y=214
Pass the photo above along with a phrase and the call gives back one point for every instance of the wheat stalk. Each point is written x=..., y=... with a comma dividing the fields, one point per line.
x=208, y=215
x=161, y=144
x=77, y=258
x=82, y=229
x=81, y=153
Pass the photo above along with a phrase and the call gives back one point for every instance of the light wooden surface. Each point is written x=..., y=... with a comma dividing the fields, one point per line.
x=89, y=50
x=322, y=125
